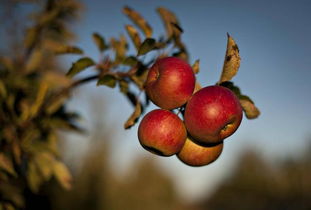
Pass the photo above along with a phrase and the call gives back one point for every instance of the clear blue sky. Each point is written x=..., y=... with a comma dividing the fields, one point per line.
x=274, y=41
x=273, y=37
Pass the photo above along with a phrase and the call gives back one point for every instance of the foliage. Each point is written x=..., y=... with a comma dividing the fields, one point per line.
x=34, y=92
x=31, y=112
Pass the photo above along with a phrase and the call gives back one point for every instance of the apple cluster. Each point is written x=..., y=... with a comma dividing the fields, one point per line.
x=209, y=115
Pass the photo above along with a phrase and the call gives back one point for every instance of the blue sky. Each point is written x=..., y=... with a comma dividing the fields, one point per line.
x=273, y=37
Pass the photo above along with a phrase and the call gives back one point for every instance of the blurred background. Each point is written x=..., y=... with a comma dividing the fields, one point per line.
x=265, y=165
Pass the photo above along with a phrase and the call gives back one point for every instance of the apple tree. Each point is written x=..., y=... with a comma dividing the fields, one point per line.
x=34, y=93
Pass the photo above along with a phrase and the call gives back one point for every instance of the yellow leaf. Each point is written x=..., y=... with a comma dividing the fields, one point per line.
x=250, y=110
x=139, y=21
x=134, y=116
x=7, y=165
x=196, y=66
x=62, y=174
x=232, y=61
x=132, y=32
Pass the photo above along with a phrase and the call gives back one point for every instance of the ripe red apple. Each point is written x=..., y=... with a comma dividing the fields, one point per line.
x=194, y=154
x=162, y=132
x=170, y=83
x=212, y=114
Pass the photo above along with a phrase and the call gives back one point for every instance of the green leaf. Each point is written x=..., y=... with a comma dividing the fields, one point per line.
x=6, y=164
x=139, y=21
x=62, y=174
x=196, y=66
x=130, y=61
x=100, y=42
x=134, y=116
x=148, y=45
x=132, y=32
x=232, y=61
x=232, y=87
x=79, y=66
x=108, y=80
x=249, y=108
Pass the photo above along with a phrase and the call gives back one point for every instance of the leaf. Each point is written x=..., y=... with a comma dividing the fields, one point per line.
x=62, y=174
x=44, y=162
x=148, y=45
x=7, y=165
x=232, y=87
x=134, y=116
x=130, y=61
x=108, y=80
x=120, y=47
x=249, y=108
x=3, y=91
x=68, y=50
x=79, y=66
x=34, y=61
x=124, y=86
x=232, y=61
x=196, y=66
x=42, y=91
x=139, y=21
x=34, y=177
x=170, y=22
x=59, y=48
x=132, y=32
x=99, y=41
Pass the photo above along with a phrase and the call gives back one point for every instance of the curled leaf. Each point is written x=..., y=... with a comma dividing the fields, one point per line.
x=196, y=66
x=249, y=108
x=134, y=116
x=79, y=66
x=232, y=61
x=138, y=20
x=148, y=45
x=170, y=22
x=99, y=41
x=132, y=32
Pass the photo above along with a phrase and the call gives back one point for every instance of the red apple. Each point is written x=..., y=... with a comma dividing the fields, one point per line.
x=212, y=114
x=170, y=83
x=162, y=132
x=194, y=154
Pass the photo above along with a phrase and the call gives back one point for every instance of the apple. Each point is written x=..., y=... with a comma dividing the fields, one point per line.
x=162, y=132
x=212, y=114
x=170, y=82
x=194, y=154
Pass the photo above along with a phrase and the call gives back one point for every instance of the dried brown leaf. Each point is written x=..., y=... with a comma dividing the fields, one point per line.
x=232, y=61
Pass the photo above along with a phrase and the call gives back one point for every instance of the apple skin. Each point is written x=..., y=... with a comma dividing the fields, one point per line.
x=194, y=154
x=170, y=82
x=162, y=132
x=212, y=114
